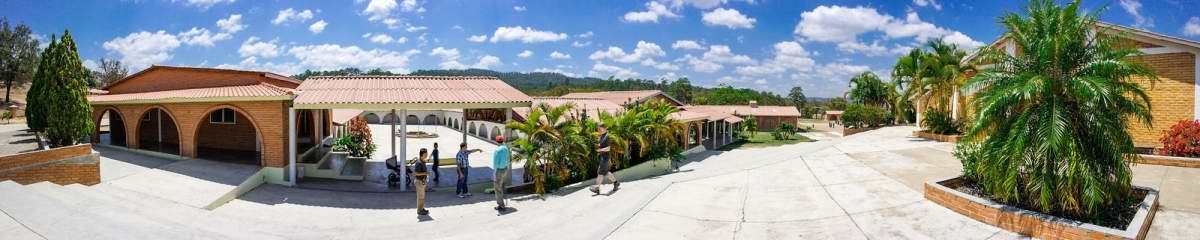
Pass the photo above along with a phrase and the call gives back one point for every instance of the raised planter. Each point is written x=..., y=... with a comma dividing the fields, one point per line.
x=937, y=137
x=852, y=131
x=62, y=166
x=1169, y=161
x=1036, y=224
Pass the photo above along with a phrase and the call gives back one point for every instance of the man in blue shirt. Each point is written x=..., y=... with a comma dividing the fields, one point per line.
x=463, y=165
x=500, y=163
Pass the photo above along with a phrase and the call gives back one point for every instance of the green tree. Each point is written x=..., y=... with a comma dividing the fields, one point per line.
x=681, y=90
x=61, y=98
x=837, y=103
x=797, y=97
x=867, y=89
x=18, y=56
x=1052, y=122
x=750, y=124
x=110, y=71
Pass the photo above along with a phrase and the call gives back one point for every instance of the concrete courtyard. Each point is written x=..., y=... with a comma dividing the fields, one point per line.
x=865, y=186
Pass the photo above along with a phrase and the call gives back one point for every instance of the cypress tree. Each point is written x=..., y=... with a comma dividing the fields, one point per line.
x=61, y=99
x=35, y=107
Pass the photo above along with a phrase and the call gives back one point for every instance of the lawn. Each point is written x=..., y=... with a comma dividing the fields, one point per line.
x=763, y=139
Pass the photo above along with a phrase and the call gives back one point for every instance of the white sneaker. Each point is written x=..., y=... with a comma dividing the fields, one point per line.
x=467, y=194
x=461, y=196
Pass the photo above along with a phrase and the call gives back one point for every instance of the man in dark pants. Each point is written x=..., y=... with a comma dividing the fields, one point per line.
x=421, y=173
x=602, y=170
x=463, y=165
x=437, y=173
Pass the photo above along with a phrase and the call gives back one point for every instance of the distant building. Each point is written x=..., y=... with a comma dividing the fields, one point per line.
x=768, y=117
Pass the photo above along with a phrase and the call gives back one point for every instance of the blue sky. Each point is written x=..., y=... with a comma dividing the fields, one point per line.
x=769, y=45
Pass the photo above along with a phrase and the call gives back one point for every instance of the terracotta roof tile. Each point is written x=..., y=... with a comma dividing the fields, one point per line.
x=257, y=90
x=745, y=110
x=592, y=105
x=407, y=89
x=689, y=116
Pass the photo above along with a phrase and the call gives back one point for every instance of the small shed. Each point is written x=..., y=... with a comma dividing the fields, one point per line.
x=833, y=115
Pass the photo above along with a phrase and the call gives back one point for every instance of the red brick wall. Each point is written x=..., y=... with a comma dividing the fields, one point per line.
x=238, y=136
x=148, y=130
x=174, y=78
x=87, y=174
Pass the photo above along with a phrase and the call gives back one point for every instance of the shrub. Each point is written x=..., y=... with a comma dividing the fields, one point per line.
x=783, y=131
x=968, y=153
x=7, y=114
x=859, y=116
x=1182, y=140
x=358, y=142
x=941, y=123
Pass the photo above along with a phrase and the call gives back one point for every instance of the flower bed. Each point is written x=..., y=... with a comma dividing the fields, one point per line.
x=937, y=137
x=852, y=131
x=1036, y=224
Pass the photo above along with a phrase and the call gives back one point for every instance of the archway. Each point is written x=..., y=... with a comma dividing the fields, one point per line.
x=430, y=120
x=111, y=128
x=495, y=132
x=471, y=130
x=483, y=131
x=456, y=125
x=372, y=118
x=412, y=120
x=157, y=131
x=389, y=118
x=227, y=134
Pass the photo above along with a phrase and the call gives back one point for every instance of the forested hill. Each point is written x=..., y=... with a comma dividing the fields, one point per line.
x=556, y=84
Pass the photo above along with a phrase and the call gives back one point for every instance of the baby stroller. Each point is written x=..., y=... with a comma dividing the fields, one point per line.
x=394, y=177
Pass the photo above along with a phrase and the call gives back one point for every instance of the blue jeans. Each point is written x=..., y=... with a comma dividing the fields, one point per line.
x=461, y=188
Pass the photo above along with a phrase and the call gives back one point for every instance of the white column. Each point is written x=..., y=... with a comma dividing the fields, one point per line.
x=292, y=145
x=917, y=108
x=403, y=142
x=954, y=112
x=504, y=127
x=393, y=137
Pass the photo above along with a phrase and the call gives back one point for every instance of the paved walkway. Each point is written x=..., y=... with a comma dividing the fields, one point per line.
x=16, y=138
x=864, y=186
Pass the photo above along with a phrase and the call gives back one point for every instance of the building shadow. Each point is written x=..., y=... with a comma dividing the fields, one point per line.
x=270, y=194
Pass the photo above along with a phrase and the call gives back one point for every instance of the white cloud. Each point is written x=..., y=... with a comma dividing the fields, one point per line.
x=577, y=44
x=558, y=55
x=487, y=61
x=251, y=48
x=379, y=38
x=559, y=71
x=872, y=50
x=1132, y=7
x=760, y=82
x=670, y=76
x=700, y=65
x=317, y=27
x=923, y=3
x=447, y=54
x=402, y=40
x=653, y=11
x=842, y=25
x=457, y=27
x=728, y=17
x=519, y=8
x=380, y=9
x=410, y=5
x=644, y=50
x=788, y=55
x=701, y=4
x=964, y=42
x=203, y=4
x=660, y=65
x=525, y=54
x=586, y=34
x=686, y=44
x=202, y=37
x=526, y=35
x=722, y=54
x=1192, y=28
x=333, y=56
x=412, y=28
x=477, y=38
x=231, y=24
x=614, y=71
x=291, y=15
x=91, y=65
x=141, y=49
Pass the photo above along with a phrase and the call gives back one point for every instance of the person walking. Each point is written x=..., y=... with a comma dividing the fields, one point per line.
x=463, y=166
x=437, y=172
x=602, y=170
x=421, y=173
x=500, y=163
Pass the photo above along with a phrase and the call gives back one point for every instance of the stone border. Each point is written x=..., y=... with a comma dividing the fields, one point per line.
x=852, y=131
x=1169, y=161
x=1036, y=224
x=62, y=166
x=938, y=137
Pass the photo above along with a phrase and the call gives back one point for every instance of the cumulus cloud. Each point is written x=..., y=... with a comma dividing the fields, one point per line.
x=411, y=28
x=232, y=24
x=487, y=61
x=203, y=4
x=686, y=44
x=380, y=38
x=788, y=55
x=923, y=3
x=1133, y=7
x=525, y=35
x=202, y=37
x=380, y=9
x=557, y=70
x=585, y=35
x=141, y=49
x=519, y=8
x=701, y=4
x=644, y=50
x=842, y=25
x=660, y=65
x=872, y=50
x=577, y=44
x=290, y=14
x=447, y=54
x=333, y=56
x=317, y=27
x=253, y=47
x=700, y=65
x=558, y=55
x=477, y=38
x=728, y=17
x=600, y=69
x=722, y=54
x=1192, y=28
x=525, y=54
x=653, y=11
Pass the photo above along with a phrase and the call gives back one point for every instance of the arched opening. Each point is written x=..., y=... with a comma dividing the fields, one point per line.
x=430, y=120
x=305, y=130
x=412, y=120
x=112, y=128
x=372, y=118
x=158, y=132
x=495, y=132
x=228, y=135
x=483, y=131
x=389, y=118
x=456, y=125
x=471, y=130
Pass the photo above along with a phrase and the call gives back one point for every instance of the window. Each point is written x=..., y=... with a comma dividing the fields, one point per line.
x=223, y=116
x=146, y=118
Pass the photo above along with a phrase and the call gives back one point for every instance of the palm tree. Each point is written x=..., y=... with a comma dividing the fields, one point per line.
x=934, y=76
x=1051, y=122
x=867, y=89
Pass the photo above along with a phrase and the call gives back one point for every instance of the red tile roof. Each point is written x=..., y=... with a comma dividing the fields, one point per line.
x=689, y=116
x=592, y=105
x=257, y=90
x=341, y=116
x=746, y=110
x=157, y=67
x=390, y=91
x=623, y=97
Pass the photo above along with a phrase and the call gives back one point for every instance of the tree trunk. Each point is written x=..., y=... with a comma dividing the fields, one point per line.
x=8, y=90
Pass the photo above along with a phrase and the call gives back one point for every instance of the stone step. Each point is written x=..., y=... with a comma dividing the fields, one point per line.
x=32, y=209
x=153, y=218
x=71, y=199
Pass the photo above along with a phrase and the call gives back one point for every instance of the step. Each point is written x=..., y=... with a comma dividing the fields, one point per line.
x=68, y=197
x=354, y=167
x=115, y=216
x=34, y=210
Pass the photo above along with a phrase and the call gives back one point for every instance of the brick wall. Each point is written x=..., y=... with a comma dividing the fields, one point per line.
x=1171, y=99
x=938, y=137
x=148, y=129
x=238, y=136
x=174, y=78
x=83, y=173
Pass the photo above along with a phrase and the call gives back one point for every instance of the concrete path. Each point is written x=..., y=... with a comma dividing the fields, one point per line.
x=864, y=186
x=16, y=138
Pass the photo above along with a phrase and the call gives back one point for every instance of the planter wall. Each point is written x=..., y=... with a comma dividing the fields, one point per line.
x=937, y=137
x=1169, y=161
x=852, y=131
x=1035, y=224
x=63, y=166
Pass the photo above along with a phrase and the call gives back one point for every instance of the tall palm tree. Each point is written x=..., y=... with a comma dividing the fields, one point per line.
x=1052, y=121
x=867, y=89
x=946, y=72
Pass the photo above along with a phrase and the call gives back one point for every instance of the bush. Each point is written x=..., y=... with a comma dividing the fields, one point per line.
x=553, y=182
x=1182, y=140
x=968, y=153
x=7, y=114
x=358, y=142
x=859, y=116
x=941, y=123
x=783, y=131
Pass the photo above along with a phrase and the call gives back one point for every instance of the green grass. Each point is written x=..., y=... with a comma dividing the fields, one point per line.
x=763, y=139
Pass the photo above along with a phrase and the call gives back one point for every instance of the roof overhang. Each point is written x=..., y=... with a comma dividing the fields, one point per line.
x=193, y=100
x=389, y=106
